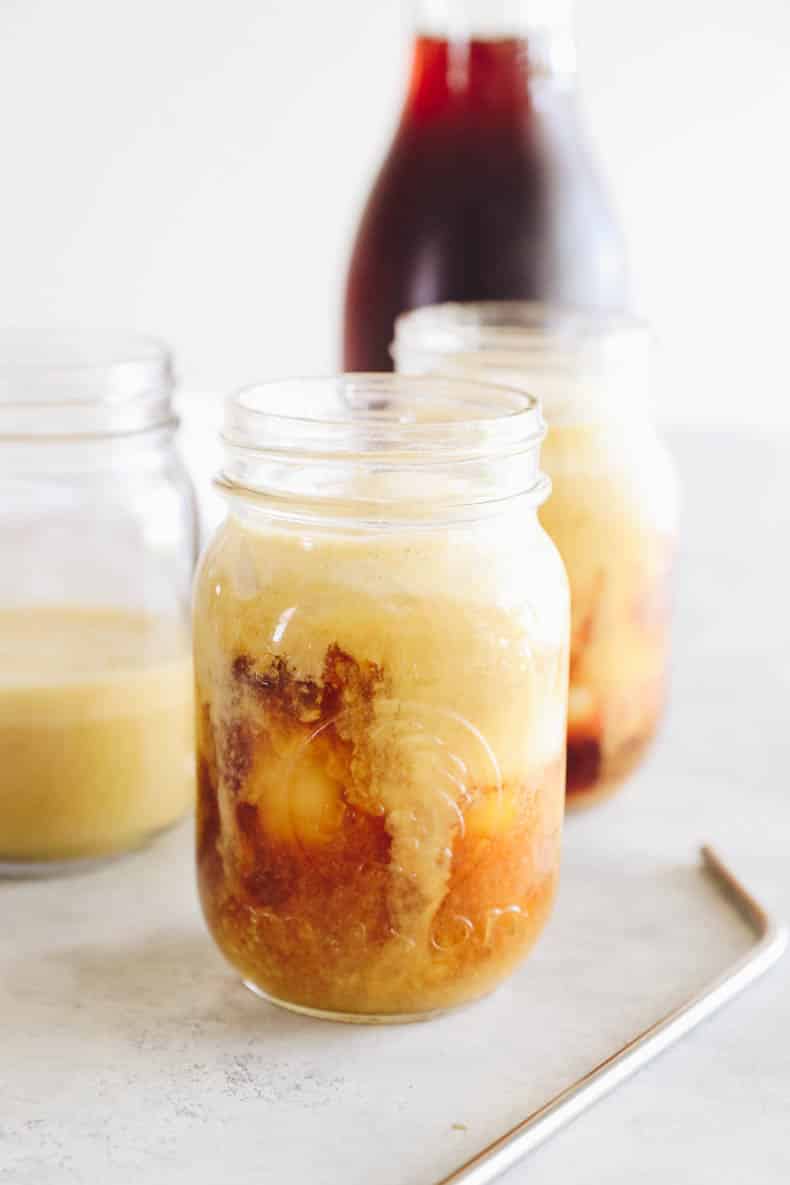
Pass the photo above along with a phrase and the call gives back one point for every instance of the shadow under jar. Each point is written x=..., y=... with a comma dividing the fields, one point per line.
x=381, y=691
x=97, y=551
x=612, y=513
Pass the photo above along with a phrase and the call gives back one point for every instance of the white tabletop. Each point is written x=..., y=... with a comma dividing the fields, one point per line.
x=130, y=1053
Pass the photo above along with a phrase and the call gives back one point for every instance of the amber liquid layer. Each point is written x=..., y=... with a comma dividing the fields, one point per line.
x=488, y=193
x=314, y=891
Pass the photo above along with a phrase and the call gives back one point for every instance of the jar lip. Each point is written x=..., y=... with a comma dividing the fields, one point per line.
x=82, y=383
x=382, y=448
x=507, y=327
x=586, y=366
x=382, y=417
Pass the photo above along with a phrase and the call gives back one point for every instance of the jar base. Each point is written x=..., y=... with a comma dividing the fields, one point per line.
x=39, y=870
x=580, y=801
x=349, y=1018
x=616, y=771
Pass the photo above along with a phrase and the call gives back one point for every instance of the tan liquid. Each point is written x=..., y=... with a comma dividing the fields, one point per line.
x=95, y=731
x=381, y=747
x=613, y=517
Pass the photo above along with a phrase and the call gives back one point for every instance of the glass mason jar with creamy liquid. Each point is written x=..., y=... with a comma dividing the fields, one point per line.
x=97, y=549
x=613, y=510
x=381, y=695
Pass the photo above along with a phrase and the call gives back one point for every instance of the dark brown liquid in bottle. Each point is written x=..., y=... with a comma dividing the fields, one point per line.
x=488, y=193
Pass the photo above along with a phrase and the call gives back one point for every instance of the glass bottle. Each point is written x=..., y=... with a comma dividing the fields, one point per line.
x=613, y=511
x=382, y=682
x=97, y=550
x=488, y=191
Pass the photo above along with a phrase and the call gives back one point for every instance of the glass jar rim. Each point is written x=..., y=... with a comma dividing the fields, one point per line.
x=383, y=447
x=584, y=365
x=382, y=417
x=506, y=326
x=82, y=383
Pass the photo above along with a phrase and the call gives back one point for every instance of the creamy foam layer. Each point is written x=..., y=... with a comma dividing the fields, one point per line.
x=456, y=618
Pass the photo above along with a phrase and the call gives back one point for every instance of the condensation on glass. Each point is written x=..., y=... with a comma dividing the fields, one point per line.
x=97, y=550
x=612, y=514
x=381, y=648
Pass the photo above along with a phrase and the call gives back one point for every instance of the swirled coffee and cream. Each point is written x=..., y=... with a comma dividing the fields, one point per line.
x=381, y=693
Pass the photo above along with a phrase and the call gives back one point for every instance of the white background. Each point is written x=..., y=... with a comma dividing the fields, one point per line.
x=195, y=169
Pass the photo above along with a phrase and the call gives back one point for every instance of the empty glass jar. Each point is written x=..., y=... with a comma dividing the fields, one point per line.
x=612, y=513
x=97, y=548
x=381, y=647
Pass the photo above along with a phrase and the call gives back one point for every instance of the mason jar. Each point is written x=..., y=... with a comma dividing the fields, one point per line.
x=97, y=549
x=613, y=510
x=381, y=681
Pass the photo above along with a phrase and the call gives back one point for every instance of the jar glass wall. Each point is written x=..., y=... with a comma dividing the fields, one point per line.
x=97, y=550
x=381, y=685
x=613, y=510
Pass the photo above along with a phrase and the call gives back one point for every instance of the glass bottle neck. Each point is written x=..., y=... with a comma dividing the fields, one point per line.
x=543, y=27
x=482, y=56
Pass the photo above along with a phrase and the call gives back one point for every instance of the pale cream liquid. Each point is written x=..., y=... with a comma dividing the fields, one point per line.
x=96, y=731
